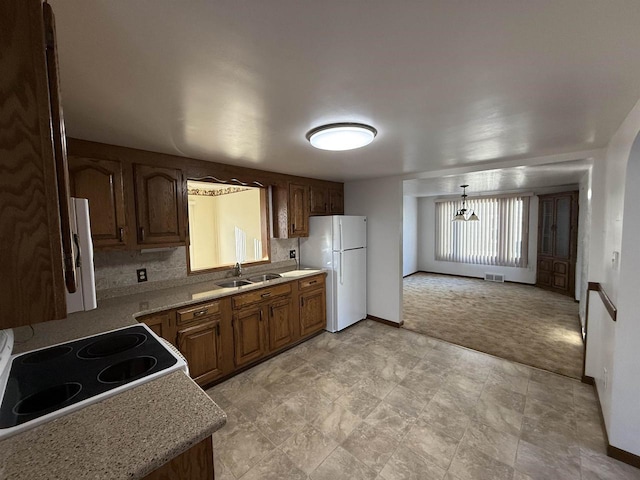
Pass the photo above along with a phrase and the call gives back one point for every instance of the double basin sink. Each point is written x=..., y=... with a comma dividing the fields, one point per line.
x=254, y=279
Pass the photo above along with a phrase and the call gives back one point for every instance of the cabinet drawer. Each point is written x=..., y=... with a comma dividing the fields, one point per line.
x=311, y=282
x=193, y=313
x=240, y=301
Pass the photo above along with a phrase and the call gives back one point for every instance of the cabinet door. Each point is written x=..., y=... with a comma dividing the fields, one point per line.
x=161, y=324
x=200, y=345
x=336, y=202
x=280, y=323
x=319, y=197
x=298, y=210
x=159, y=205
x=313, y=313
x=248, y=335
x=100, y=181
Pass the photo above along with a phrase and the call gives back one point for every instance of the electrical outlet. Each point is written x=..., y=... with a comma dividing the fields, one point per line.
x=292, y=254
x=142, y=274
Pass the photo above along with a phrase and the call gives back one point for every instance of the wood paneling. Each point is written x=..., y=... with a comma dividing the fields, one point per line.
x=101, y=182
x=298, y=210
x=159, y=196
x=31, y=272
x=319, y=200
x=312, y=308
x=194, y=464
x=336, y=201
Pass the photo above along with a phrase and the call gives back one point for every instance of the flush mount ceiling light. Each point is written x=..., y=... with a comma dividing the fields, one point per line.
x=460, y=214
x=341, y=136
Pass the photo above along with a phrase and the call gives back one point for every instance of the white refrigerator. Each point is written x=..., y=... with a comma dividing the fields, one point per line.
x=338, y=244
x=84, y=297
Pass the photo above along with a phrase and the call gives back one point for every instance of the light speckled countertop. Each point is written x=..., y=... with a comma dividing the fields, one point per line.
x=131, y=434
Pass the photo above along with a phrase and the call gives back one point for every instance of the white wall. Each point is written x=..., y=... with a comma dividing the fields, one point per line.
x=381, y=201
x=409, y=236
x=614, y=346
x=582, y=263
x=427, y=248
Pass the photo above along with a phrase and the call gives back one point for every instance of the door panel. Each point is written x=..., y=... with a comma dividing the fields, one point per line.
x=313, y=313
x=280, y=323
x=349, y=232
x=200, y=345
x=248, y=335
x=351, y=286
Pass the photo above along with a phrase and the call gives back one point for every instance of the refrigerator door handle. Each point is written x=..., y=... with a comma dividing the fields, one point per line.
x=341, y=277
x=341, y=242
x=76, y=240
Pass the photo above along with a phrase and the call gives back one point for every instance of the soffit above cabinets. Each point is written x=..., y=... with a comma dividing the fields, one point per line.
x=444, y=83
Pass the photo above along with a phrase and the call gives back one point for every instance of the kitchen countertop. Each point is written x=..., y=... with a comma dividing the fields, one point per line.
x=133, y=433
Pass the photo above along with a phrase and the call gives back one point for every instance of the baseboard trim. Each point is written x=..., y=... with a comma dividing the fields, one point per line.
x=613, y=452
x=386, y=322
x=407, y=276
x=624, y=456
x=588, y=380
x=471, y=276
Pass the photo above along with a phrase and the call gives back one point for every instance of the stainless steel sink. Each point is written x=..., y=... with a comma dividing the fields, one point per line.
x=233, y=283
x=265, y=277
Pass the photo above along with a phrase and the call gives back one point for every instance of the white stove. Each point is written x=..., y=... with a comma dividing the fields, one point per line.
x=44, y=384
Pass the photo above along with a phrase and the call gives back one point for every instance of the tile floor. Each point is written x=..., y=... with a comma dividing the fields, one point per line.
x=375, y=402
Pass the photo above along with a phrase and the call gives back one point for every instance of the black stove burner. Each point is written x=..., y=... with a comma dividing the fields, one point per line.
x=46, y=355
x=127, y=369
x=57, y=377
x=47, y=399
x=110, y=346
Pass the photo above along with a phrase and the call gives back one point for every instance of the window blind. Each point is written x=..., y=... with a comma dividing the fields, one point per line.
x=499, y=238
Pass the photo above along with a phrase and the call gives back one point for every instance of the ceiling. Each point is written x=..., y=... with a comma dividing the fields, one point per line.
x=533, y=178
x=445, y=83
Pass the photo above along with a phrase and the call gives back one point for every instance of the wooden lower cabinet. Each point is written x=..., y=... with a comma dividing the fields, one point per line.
x=280, y=327
x=313, y=311
x=248, y=335
x=200, y=344
x=162, y=324
x=194, y=464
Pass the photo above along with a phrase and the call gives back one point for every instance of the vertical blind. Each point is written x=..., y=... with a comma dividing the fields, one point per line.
x=499, y=238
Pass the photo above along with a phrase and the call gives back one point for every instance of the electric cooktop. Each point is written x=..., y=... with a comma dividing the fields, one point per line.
x=54, y=381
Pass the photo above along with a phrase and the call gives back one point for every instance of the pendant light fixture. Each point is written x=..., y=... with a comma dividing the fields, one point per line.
x=460, y=214
x=341, y=136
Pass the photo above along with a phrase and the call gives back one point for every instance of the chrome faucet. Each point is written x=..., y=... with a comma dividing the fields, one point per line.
x=237, y=270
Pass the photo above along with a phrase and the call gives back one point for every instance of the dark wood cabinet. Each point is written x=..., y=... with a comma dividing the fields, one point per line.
x=336, y=201
x=312, y=305
x=159, y=199
x=35, y=239
x=280, y=327
x=248, y=335
x=200, y=344
x=162, y=324
x=194, y=464
x=557, y=242
x=298, y=210
x=101, y=182
x=319, y=200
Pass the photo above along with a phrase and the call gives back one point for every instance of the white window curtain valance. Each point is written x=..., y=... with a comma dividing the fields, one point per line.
x=499, y=238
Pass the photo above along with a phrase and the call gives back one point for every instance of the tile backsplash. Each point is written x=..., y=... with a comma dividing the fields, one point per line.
x=117, y=269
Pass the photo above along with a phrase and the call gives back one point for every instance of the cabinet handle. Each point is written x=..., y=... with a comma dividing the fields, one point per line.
x=265, y=295
x=325, y=207
x=121, y=235
x=271, y=311
x=200, y=313
x=261, y=315
x=312, y=282
x=218, y=329
x=142, y=234
x=302, y=301
x=293, y=227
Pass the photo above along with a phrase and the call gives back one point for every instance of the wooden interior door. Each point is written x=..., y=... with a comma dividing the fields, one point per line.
x=159, y=205
x=557, y=242
x=100, y=181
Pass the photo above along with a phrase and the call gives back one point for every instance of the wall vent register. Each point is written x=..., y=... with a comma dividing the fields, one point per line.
x=45, y=384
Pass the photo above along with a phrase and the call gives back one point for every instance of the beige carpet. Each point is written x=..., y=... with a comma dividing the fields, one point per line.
x=522, y=323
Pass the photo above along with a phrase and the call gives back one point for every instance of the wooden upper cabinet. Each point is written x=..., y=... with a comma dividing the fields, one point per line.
x=319, y=199
x=32, y=277
x=101, y=182
x=159, y=198
x=298, y=210
x=336, y=201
